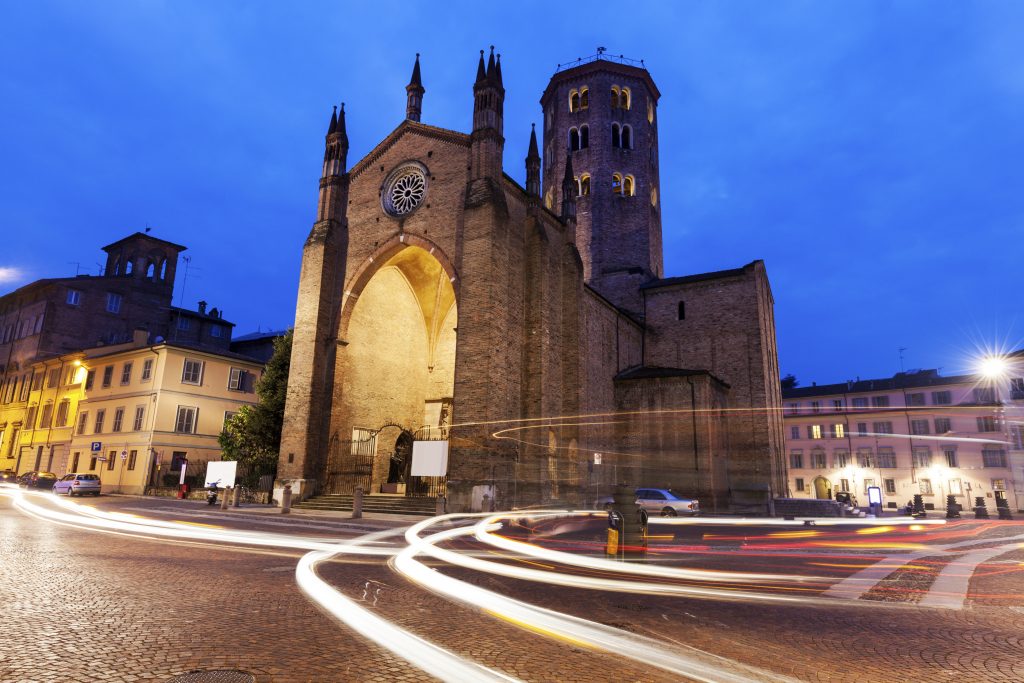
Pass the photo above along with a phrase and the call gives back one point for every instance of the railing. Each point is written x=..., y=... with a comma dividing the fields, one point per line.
x=602, y=55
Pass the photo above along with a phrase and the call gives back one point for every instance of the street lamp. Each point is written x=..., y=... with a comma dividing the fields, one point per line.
x=993, y=367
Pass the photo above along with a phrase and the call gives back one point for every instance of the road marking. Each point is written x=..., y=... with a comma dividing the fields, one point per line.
x=949, y=589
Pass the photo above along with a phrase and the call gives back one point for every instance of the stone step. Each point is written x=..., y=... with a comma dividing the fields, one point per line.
x=386, y=504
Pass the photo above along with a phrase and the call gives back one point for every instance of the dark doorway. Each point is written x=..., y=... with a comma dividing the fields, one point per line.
x=401, y=459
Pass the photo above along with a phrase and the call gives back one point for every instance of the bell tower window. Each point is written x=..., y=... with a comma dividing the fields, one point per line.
x=617, y=184
x=616, y=135
x=584, y=137
x=574, y=139
x=627, y=137
x=628, y=186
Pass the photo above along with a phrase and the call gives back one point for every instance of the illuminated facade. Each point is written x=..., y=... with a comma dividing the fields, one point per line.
x=148, y=407
x=438, y=299
x=915, y=432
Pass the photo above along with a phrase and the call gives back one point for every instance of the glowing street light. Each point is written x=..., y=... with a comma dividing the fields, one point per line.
x=993, y=367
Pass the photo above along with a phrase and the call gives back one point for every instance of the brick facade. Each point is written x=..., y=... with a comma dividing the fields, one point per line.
x=503, y=319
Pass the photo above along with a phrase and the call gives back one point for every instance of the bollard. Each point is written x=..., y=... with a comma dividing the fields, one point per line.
x=919, y=506
x=951, y=507
x=224, y=498
x=235, y=499
x=1003, y=508
x=286, y=499
x=979, y=508
x=442, y=505
x=357, y=503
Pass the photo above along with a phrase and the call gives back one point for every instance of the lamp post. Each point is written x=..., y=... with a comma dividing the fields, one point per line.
x=994, y=368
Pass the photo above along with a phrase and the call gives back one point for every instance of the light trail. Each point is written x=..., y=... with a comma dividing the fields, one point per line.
x=698, y=665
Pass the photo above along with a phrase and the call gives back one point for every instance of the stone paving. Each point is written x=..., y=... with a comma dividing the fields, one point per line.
x=83, y=606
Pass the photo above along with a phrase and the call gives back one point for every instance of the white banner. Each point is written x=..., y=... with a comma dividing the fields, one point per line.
x=221, y=472
x=429, y=459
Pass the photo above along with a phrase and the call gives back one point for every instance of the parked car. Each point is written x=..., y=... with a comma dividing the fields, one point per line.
x=37, y=480
x=78, y=485
x=9, y=476
x=661, y=502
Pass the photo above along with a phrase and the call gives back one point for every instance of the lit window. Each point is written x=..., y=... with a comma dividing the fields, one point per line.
x=815, y=431
x=628, y=186
x=838, y=431
x=625, y=99
x=615, y=97
x=617, y=183
x=584, y=98
x=574, y=101
x=585, y=185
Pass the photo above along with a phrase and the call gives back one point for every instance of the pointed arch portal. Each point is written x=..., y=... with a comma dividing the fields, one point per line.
x=397, y=365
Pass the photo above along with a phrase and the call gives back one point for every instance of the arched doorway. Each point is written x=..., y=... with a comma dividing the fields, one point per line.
x=397, y=366
x=822, y=488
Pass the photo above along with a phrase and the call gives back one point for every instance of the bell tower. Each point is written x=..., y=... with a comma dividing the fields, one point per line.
x=604, y=111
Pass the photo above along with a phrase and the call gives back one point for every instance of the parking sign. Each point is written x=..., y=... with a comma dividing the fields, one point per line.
x=97, y=446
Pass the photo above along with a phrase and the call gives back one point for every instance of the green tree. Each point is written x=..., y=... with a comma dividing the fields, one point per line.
x=253, y=435
x=789, y=382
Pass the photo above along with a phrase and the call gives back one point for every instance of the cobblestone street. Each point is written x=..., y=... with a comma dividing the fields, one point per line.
x=81, y=605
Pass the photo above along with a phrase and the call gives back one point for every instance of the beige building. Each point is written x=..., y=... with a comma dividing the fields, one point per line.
x=915, y=432
x=134, y=413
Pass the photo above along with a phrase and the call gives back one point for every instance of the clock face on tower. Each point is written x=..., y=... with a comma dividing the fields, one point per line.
x=404, y=189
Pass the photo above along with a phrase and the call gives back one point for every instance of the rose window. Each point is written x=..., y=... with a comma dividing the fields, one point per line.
x=405, y=191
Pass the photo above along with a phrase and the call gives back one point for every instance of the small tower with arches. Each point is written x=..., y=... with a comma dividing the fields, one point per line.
x=602, y=110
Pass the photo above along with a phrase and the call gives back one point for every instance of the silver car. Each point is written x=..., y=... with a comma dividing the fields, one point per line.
x=665, y=503
x=78, y=484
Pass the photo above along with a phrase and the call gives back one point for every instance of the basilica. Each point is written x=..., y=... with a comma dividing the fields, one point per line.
x=460, y=335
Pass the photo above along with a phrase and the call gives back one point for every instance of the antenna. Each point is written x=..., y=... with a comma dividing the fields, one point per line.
x=77, y=265
x=901, y=350
x=184, y=281
x=100, y=266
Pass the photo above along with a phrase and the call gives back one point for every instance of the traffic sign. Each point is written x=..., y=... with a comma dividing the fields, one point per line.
x=124, y=455
x=597, y=458
x=97, y=446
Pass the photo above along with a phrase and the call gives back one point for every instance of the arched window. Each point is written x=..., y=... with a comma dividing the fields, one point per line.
x=654, y=196
x=128, y=267
x=584, y=98
x=163, y=270
x=615, y=97
x=627, y=137
x=117, y=266
x=628, y=186
x=625, y=99
x=584, y=137
x=650, y=111
x=150, y=270
x=549, y=198
x=585, y=185
x=616, y=136
x=682, y=310
x=574, y=139
x=574, y=101
x=617, y=183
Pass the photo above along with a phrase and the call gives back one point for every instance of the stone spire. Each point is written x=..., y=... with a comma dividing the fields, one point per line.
x=533, y=165
x=487, y=141
x=414, y=92
x=336, y=146
x=568, y=190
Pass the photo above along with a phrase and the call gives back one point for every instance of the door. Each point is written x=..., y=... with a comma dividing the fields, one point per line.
x=822, y=488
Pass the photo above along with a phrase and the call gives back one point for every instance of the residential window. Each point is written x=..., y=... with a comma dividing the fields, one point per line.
x=183, y=323
x=862, y=429
x=92, y=463
x=799, y=484
x=126, y=373
x=837, y=404
x=147, y=369
x=814, y=431
x=883, y=427
x=236, y=379
x=1017, y=436
x=113, y=302
x=942, y=425
x=915, y=399
x=118, y=419
x=90, y=377
x=956, y=487
x=216, y=330
x=179, y=459
x=46, y=418
x=74, y=462
x=186, y=420
x=868, y=483
x=53, y=378
x=919, y=427
x=844, y=484
x=860, y=402
x=69, y=375
x=950, y=453
x=838, y=431
x=890, y=486
x=24, y=387
x=132, y=456
x=880, y=401
x=942, y=398
x=140, y=412
x=97, y=427
x=111, y=459
x=796, y=460
x=74, y=297
x=984, y=395
x=886, y=458
x=37, y=381
x=926, y=486
x=986, y=423
x=794, y=432
x=815, y=406
x=30, y=418
x=840, y=458
x=864, y=457
x=818, y=459
x=993, y=457
x=108, y=376
x=922, y=457
x=999, y=484
x=794, y=408
x=192, y=372
x=83, y=420
x=228, y=414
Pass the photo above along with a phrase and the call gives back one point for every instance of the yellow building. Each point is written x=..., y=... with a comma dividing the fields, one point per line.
x=132, y=413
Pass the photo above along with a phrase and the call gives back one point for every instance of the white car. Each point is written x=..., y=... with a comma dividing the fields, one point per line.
x=78, y=484
x=661, y=502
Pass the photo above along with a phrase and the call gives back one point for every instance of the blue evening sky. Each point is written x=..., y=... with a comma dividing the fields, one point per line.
x=872, y=153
